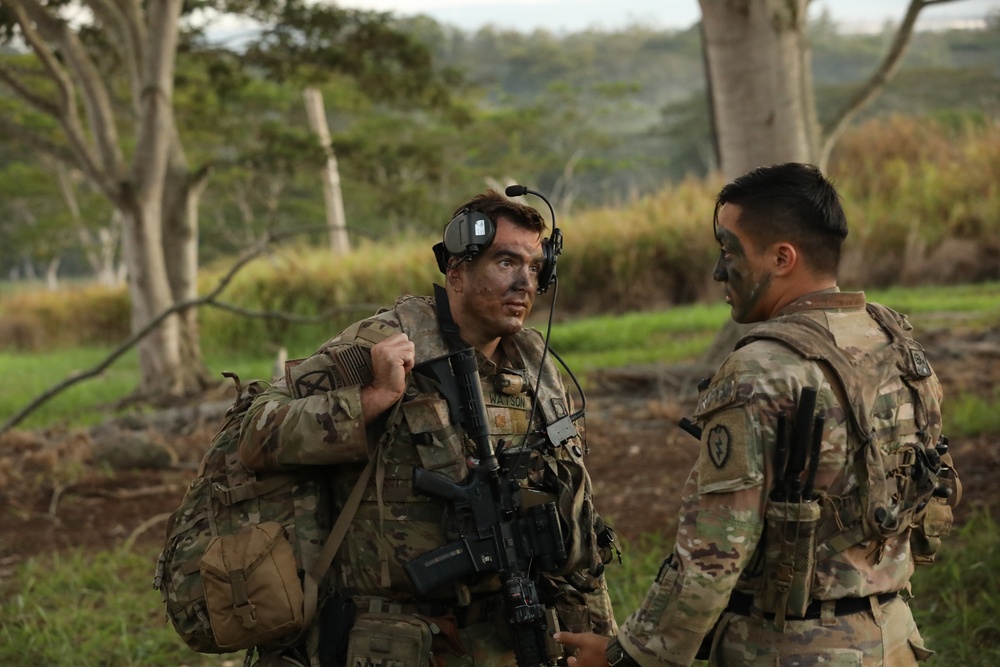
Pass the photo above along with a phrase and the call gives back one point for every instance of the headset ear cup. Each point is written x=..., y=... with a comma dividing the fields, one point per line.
x=548, y=272
x=468, y=233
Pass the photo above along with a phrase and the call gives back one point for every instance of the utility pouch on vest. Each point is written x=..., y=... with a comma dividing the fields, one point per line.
x=399, y=640
x=252, y=588
x=789, y=557
x=934, y=524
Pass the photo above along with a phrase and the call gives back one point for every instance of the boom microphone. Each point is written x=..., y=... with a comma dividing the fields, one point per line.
x=516, y=190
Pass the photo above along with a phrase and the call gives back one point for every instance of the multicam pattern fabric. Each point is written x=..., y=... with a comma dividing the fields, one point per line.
x=722, y=518
x=296, y=423
x=226, y=498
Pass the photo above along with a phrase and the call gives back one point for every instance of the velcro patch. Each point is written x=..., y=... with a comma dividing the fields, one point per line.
x=725, y=463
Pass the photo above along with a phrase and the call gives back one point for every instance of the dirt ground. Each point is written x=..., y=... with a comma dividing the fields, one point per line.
x=66, y=489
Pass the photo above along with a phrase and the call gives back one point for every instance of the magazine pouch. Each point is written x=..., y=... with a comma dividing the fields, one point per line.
x=399, y=640
x=790, y=557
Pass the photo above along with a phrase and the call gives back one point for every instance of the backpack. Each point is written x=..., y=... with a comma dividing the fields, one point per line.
x=246, y=552
x=232, y=568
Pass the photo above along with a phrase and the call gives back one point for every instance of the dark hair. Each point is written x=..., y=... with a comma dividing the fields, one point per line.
x=492, y=204
x=790, y=202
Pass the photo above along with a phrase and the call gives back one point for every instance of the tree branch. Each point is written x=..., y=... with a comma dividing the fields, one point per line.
x=25, y=12
x=890, y=64
x=131, y=341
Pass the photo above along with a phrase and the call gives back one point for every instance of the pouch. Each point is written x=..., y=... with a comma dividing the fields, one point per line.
x=396, y=640
x=789, y=556
x=252, y=588
x=925, y=540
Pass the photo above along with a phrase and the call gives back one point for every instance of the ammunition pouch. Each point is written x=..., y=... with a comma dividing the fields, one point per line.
x=252, y=589
x=400, y=640
x=936, y=522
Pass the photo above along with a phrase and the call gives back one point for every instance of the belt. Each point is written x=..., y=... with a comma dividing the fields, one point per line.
x=742, y=604
x=479, y=611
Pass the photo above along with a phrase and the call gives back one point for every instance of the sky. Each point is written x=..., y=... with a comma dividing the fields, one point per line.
x=563, y=16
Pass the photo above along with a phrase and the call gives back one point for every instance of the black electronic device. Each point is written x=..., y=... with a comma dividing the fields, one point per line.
x=470, y=232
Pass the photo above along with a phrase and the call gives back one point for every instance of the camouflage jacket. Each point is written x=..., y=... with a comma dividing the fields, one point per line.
x=722, y=517
x=313, y=417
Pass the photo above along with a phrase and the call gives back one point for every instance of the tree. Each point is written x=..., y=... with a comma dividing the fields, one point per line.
x=760, y=82
x=759, y=71
x=152, y=189
x=123, y=134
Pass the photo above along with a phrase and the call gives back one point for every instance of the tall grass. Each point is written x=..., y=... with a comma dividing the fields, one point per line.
x=922, y=197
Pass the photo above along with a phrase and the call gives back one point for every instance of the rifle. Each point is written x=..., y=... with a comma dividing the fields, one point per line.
x=498, y=535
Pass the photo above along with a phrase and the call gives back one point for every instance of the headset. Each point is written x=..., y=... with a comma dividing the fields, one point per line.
x=470, y=232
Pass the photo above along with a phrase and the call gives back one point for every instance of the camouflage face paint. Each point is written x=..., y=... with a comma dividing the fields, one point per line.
x=738, y=268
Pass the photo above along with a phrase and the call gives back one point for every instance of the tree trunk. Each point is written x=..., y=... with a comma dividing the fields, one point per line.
x=759, y=63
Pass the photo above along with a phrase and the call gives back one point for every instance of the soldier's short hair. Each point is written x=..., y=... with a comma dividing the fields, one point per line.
x=791, y=202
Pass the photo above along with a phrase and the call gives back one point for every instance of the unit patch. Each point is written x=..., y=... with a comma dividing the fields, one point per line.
x=719, y=445
x=726, y=463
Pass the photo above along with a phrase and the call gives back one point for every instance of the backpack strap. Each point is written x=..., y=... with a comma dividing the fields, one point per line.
x=339, y=531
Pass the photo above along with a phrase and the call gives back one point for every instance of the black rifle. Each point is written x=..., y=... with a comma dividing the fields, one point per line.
x=497, y=535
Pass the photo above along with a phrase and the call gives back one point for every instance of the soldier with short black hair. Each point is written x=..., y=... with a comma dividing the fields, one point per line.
x=822, y=475
x=360, y=397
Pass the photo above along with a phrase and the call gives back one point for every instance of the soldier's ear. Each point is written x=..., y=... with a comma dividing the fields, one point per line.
x=784, y=258
x=455, y=275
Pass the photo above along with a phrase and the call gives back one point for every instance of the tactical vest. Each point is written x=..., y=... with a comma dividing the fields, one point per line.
x=899, y=474
x=393, y=524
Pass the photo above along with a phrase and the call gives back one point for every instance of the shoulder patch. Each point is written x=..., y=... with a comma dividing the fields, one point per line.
x=719, y=444
x=730, y=457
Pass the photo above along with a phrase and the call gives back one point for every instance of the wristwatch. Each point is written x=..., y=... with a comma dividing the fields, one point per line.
x=617, y=657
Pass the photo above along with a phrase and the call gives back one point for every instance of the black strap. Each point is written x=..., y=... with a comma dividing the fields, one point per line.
x=742, y=603
x=445, y=320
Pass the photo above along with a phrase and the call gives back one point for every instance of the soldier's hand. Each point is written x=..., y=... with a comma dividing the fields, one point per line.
x=392, y=359
x=590, y=649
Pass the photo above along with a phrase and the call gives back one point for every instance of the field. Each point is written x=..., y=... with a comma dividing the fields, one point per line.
x=69, y=492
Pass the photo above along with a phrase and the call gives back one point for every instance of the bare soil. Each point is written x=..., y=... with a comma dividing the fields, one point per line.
x=65, y=489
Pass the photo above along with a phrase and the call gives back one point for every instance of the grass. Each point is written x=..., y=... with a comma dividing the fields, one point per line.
x=84, y=609
x=89, y=609
x=665, y=336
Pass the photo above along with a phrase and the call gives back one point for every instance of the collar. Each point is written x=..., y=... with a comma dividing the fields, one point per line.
x=827, y=299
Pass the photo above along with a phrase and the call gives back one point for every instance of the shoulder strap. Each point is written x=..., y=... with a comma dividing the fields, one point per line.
x=316, y=573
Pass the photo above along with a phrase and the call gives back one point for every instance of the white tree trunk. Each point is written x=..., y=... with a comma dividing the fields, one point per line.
x=336, y=220
x=759, y=64
x=150, y=190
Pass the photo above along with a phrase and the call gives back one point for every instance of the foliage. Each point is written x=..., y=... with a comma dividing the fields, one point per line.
x=422, y=114
x=921, y=197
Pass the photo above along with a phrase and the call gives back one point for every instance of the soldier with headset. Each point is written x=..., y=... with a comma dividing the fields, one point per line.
x=358, y=400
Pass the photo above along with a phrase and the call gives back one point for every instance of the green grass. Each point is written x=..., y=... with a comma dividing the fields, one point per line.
x=957, y=600
x=82, y=609
x=93, y=400
x=89, y=609
x=665, y=336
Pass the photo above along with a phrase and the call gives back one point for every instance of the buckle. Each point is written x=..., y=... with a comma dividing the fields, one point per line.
x=617, y=657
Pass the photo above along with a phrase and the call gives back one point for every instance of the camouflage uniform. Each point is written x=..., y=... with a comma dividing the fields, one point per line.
x=721, y=538
x=301, y=421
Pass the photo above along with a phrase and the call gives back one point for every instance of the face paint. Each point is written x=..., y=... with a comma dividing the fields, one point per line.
x=739, y=268
x=499, y=286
